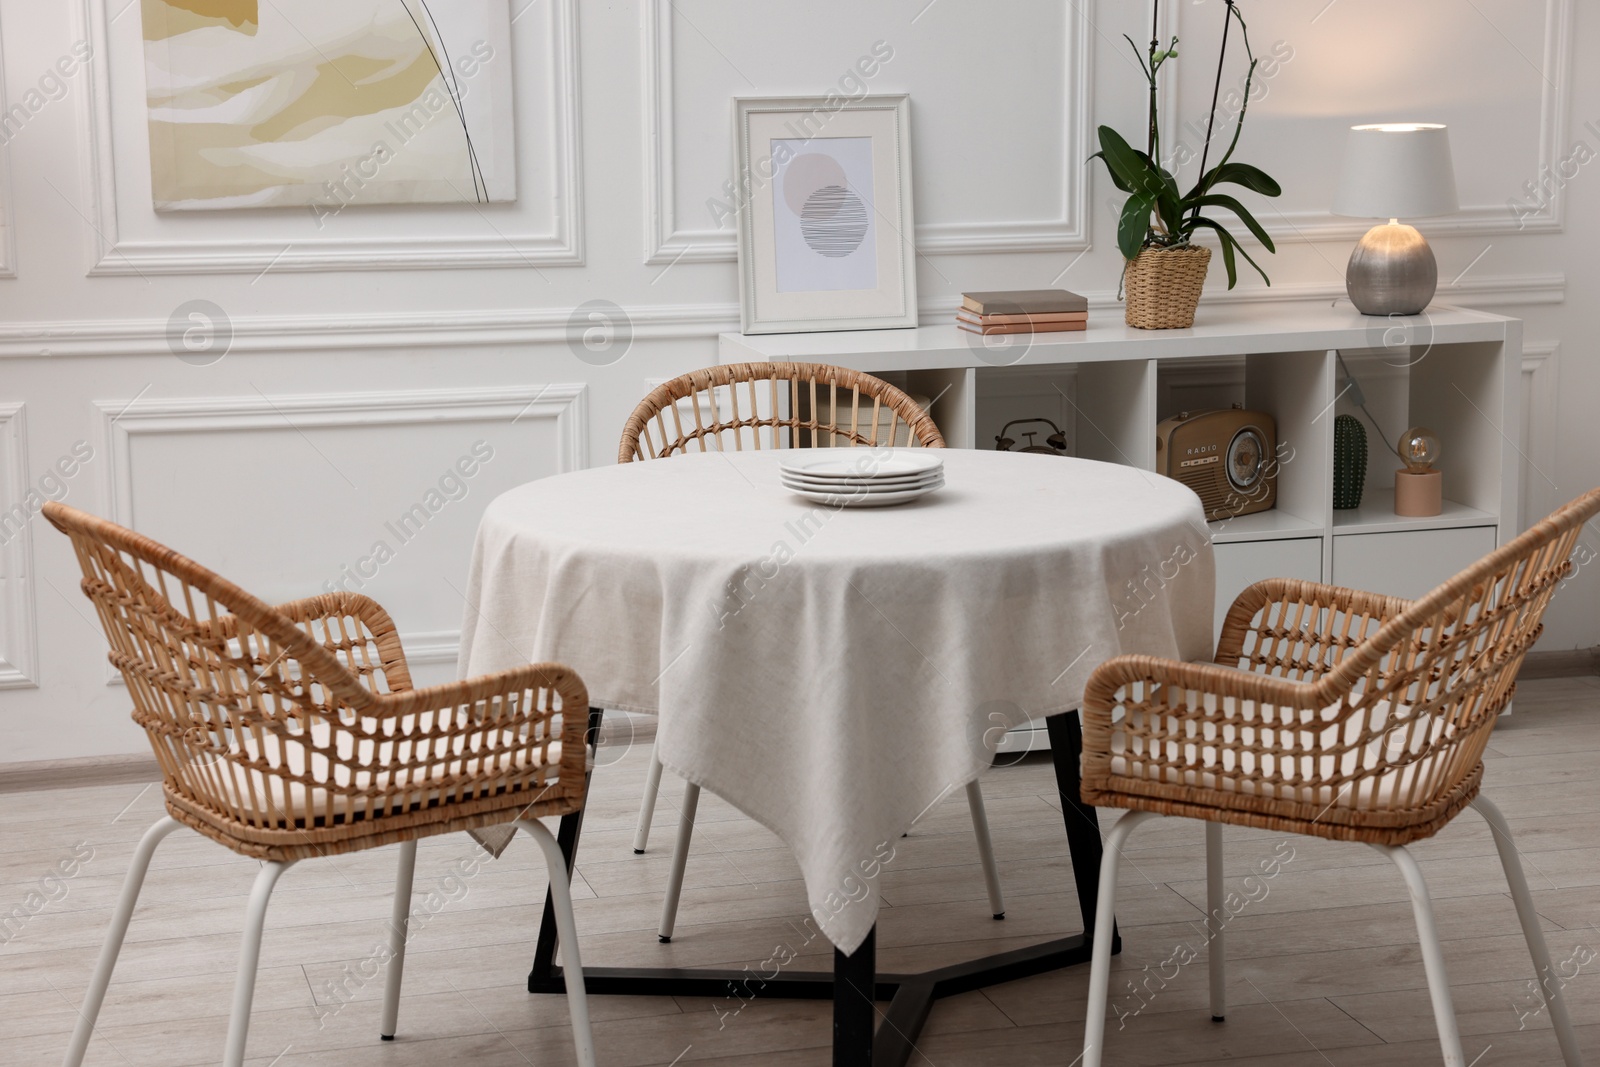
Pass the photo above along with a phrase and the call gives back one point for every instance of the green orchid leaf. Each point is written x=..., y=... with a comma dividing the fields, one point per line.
x=1226, y=240
x=1134, y=224
x=1228, y=261
x=1121, y=185
x=1231, y=245
x=1137, y=171
x=1169, y=204
x=1229, y=203
x=1252, y=178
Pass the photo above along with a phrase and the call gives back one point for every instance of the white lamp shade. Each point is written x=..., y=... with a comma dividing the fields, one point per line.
x=1397, y=170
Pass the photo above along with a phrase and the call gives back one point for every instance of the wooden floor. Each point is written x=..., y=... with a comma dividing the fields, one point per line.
x=1324, y=967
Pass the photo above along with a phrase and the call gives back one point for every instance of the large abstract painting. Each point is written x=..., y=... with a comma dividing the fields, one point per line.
x=328, y=103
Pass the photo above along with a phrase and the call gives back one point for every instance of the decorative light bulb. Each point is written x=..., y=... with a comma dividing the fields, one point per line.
x=1419, y=448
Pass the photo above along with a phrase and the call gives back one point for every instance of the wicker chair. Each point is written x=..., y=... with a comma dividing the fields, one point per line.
x=799, y=405
x=289, y=732
x=1338, y=714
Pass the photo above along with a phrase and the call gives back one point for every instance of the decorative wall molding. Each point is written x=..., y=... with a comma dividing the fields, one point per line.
x=1486, y=291
x=113, y=254
x=8, y=236
x=282, y=334
x=428, y=647
x=313, y=333
x=121, y=420
x=1477, y=219
x=668, y=240
x=1540, y=443
x=19, y=630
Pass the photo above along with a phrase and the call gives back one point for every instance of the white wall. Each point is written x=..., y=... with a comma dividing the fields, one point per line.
x=368, y=355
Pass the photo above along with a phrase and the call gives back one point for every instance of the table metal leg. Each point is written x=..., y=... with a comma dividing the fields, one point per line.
x=855, y=982
x=859, y=1039
x=544, y=955
x=1083, y=825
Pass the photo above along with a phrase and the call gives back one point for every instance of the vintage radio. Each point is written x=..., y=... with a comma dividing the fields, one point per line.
x=1229, y=458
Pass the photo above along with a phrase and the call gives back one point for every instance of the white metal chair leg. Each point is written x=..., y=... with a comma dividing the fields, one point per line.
x=1094, y=1028
x=1217, y=956
x=1444, y=1012
x=567, y=938
x=680, y=860
x=244, y=986
x=399, y=921
x=647, y=806
x=1549, y=980
x=980, y=830
x=112, y=947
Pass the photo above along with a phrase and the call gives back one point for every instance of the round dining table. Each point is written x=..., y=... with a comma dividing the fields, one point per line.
x=832, y=671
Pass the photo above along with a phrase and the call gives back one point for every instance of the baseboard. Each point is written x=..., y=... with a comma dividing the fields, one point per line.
x=133, y=769
x=1564, y=663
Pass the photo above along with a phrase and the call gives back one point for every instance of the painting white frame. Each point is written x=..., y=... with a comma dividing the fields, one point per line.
x=886, y=120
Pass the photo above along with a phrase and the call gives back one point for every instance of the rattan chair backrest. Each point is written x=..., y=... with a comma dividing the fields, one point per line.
x=739, y=406
x=1406, y=694
x=272, y=719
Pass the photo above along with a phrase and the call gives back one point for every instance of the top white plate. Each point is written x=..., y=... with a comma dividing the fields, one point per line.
x=863, y=463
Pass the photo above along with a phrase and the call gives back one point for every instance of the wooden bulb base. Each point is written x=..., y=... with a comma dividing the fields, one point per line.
x=1418, y=494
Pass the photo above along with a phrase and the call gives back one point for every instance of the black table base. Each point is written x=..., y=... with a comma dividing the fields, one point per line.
x=860, y=1038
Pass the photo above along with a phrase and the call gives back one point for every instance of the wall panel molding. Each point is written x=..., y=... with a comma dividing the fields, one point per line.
x=19, y=628
x=8, y=236
x=115, y=254
x=1484, y=219
x=122, y=420
x=280, y=334
x=669, y=240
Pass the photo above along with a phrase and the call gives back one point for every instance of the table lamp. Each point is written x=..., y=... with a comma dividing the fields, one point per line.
x=1419, y=488
x=1395, y=170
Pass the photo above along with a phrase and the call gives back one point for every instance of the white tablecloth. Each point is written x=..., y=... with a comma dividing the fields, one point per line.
x=833, y=673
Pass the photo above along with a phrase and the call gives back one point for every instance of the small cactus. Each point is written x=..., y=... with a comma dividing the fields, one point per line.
x=1349, y=462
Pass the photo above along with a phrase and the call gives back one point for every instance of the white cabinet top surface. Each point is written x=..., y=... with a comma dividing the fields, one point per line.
x=1219, y=330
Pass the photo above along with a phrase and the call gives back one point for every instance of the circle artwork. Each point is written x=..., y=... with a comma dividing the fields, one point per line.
x=805, y=174
x=833, y=221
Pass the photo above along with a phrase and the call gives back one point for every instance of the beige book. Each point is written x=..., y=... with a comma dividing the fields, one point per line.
x=1024, y=302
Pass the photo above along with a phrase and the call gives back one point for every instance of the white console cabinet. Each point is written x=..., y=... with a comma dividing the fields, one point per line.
x=1453, y=370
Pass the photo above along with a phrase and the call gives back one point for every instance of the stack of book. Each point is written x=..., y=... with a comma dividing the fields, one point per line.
x=1023, y=311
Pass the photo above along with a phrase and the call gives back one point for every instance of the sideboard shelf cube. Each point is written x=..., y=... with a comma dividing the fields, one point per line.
x=1454, y=370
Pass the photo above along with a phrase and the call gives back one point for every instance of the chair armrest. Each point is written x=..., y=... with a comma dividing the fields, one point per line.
x=1142, y=694
x=507, y=701
x=354, y=629
x=1297, y=629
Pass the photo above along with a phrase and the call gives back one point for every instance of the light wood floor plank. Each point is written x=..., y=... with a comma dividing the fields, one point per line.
x=1324, y=969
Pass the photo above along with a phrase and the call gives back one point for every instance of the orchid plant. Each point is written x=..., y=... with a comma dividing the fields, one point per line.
x=1156, y=214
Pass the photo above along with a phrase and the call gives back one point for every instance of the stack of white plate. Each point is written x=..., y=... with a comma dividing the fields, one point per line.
x=862, y=477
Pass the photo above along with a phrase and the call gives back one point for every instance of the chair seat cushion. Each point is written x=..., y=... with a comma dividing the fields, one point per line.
x=391, y=769
x=1381, y=757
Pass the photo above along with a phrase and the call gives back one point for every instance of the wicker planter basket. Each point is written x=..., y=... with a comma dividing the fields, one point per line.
x=1163, y=286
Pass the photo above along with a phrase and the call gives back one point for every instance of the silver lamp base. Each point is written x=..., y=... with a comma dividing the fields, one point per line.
x=1392, y=271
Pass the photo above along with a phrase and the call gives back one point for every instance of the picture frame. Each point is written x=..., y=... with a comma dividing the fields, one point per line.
x=826, y=230
x=372, y=102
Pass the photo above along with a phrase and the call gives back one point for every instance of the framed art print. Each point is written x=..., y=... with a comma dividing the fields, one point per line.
x=306, y=102
x=826, y=240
